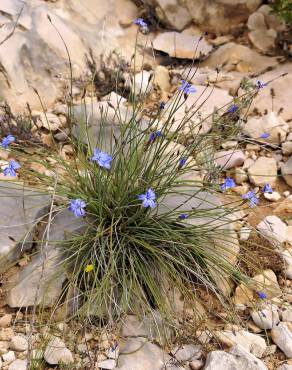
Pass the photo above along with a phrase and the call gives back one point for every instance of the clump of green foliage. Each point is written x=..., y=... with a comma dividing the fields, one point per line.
x=283, y=9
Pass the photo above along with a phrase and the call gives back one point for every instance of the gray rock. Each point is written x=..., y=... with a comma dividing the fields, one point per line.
x=19, y=343
x=273, y=229
x=263, y=171
x=236, y=359
x=287, y=314
x=266, y=318
x=108, y=364
x=46, y=284
x=214, y=16
x=56, y=352
x=8, y=357
x=187, y=352
x=282, y=336
x=18, y=365
x=101, y=118
x=142, y=83
x=180, y=45
x=285, y=367
x=79, y=26
x=240, y=58
x=229, y=158
x=139, y=354
x=270, y=123
x=196, y=364
x=171, y=13
x=252, y=343
x=151, y=327
x=286, y=170
x=279, y=85
x=21, y=208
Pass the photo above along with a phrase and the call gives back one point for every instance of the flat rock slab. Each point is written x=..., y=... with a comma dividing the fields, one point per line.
x=21, y=208
x=42, y=277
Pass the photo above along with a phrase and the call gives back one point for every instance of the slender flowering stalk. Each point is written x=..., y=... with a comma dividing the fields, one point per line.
x=103, y=159
x=233, y=108
x=7, y=140
x=77, y=207
x=264, y=135
x=10, y=170
x=148, y=199
x=251, y=197
x=186, y=87
x=227, y=184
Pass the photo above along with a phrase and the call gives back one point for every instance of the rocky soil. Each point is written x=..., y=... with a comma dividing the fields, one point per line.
x=241, y=41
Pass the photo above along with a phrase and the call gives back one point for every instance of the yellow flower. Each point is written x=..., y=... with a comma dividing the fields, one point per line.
x=88, y=268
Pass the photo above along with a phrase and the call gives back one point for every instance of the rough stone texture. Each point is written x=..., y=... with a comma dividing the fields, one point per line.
x=37, y=54
x=282, y=336
x=193, y=116
x=47, y=284
x=19, y=343
x=101, y=118
x=180, y=45
x=263, y=171
x=273, y=229
x=148, y=357
x=266, y=318
x=56, y=352
x=18, y=365
x=240, y=58
x=282, y=99
x=286, y=170
x=287, y=314
x=214, y=15
x=187, y=352
x=171, y=13
x=252, y=343
x=237, y=358
x=227, y=159
x=21, y=207
x=260, y=35
x=285, y=367
x=151, y=327
x=270, y=123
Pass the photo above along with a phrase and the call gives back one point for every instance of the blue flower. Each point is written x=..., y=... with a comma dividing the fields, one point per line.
x=148, y=198
x=182, y=162
x=183, y=216
x=264, y=135
x=153, y=136
x=103, y=159
x=77, y=207
x=186, y=87
x=162, y=105
x=11, y=168
x=260, y=84
x=140, y=22
x=253, y=200
x=267, y=189
x=233, y=108
x=261, y=295
x=227, y=184
x=7, y=140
